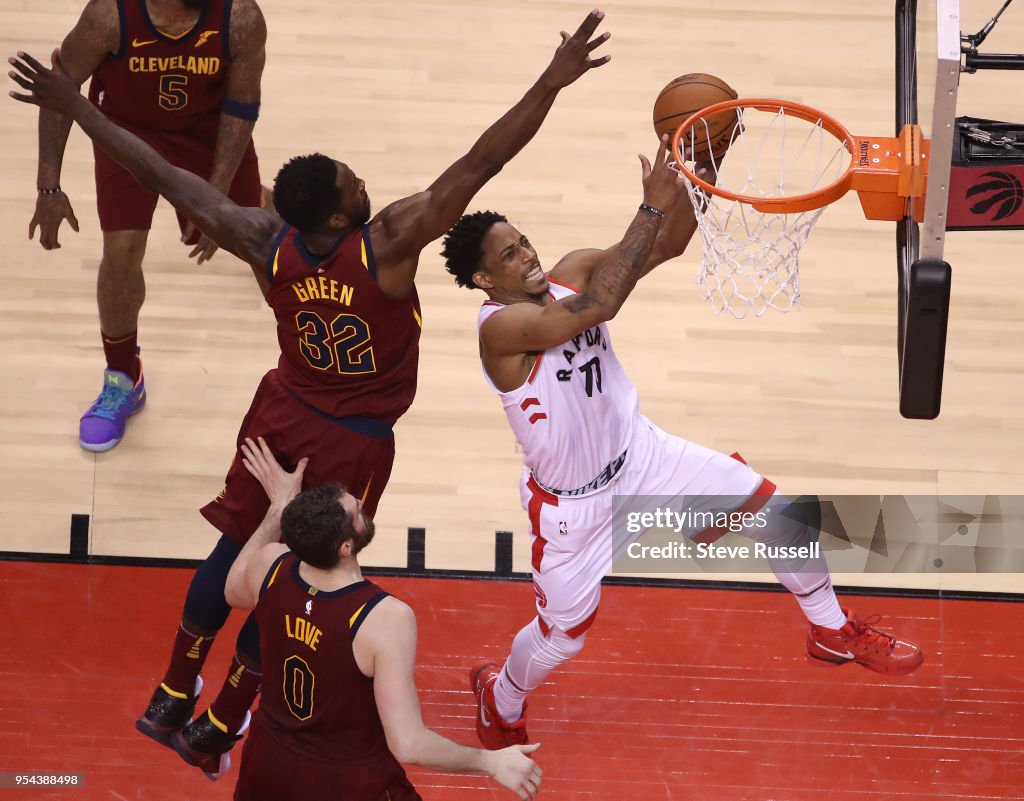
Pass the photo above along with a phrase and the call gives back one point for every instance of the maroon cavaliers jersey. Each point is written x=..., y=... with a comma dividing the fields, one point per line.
x=315, y=700
x=160, y=83
x=347, y=349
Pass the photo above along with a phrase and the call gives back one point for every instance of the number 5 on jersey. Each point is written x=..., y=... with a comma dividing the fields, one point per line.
x=173, y=96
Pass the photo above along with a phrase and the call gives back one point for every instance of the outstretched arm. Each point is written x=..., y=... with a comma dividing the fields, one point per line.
x=674, y=235
x=526, y=328
x=404, y=228
x=238, y=117
x=242, y=588
x=95, y=35
x=388, y=636
x=248, y=233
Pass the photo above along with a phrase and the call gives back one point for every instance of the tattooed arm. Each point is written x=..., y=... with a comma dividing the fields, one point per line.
x=248, y=38
x=510, y=340
x=245, y=232
x=95, y=36
x=674, y=235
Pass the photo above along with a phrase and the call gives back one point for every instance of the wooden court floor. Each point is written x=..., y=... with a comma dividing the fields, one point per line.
x=679, y=694
x=401, y=90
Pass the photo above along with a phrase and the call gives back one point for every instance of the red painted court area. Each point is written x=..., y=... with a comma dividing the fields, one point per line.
x=679, y=694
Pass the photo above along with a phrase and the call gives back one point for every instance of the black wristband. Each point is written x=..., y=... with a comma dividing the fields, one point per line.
x=652, y=210
x=249, y=112
x=53, y=190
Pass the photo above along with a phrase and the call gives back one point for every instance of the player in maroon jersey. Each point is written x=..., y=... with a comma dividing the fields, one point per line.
x=183, y=75
x=339, y=709
x=342, y=288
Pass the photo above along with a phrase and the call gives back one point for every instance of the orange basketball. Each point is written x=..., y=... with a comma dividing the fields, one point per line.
x=688, y=94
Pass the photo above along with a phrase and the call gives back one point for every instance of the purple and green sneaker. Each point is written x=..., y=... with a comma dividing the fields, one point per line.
x=102, y=427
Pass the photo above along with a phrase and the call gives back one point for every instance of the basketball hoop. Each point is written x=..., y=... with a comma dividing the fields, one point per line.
x=785, y=163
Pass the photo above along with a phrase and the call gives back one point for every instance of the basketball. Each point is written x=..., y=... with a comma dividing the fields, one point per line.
x=688, y=94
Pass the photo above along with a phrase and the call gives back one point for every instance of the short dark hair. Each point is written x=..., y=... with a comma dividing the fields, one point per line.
x=315, y=525
x=463, y=245
x=306, y=191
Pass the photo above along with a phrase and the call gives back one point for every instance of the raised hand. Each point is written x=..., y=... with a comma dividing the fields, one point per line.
x=48, y=88
x=572, y=58
x=280, y=485
x=663, y=182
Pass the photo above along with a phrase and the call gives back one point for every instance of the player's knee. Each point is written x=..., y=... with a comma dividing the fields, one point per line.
x=565, y=645
x=123, y=250
x=782, y=522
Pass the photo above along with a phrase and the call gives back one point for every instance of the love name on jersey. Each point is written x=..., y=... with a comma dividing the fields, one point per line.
x=302, y=630
x=321, y=288
x=591, y=368
x=197, y=65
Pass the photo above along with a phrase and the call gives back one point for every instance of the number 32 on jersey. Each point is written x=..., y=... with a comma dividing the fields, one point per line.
x=341, y=345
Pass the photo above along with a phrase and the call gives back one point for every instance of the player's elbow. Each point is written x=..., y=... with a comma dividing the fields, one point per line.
x=234, y=592
x=610, y=300
x=235, y=601
x=484, y=165
x=491, y=169
x=405, y=746
x=593, y=306
x=402, y=752
x=609, y=312
x=605, y=310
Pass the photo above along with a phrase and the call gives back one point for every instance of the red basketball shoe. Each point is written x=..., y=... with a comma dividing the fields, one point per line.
x=858, y=641
x=493, y=732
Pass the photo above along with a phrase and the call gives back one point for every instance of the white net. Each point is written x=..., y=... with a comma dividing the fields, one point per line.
x=751, y=258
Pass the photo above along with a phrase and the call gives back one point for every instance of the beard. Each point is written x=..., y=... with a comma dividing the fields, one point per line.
x=364, y=539
x=363, y=217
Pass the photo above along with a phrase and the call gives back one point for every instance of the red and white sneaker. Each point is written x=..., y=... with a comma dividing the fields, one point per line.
x=493, y=731
x=858, y=641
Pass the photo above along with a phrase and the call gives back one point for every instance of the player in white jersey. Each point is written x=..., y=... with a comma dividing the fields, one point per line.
x=546, y=351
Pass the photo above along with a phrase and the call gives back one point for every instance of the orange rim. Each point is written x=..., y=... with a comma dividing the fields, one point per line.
x=777, y=205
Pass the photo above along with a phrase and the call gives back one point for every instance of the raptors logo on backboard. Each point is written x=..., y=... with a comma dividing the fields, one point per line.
x=998, y=195
x=981, y=198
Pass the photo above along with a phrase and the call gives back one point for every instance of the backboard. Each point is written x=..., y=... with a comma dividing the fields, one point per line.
x=927, y=77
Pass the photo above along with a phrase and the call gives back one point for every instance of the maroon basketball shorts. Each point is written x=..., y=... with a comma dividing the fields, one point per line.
x=292, y=430
x=272, y=772
x=125, y=205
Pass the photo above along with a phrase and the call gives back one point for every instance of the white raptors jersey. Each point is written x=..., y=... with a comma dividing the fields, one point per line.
x=574, y=415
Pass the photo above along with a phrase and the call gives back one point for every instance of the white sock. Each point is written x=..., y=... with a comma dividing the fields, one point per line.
x=531, y=660
x=821, y=605
x=808, y=579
